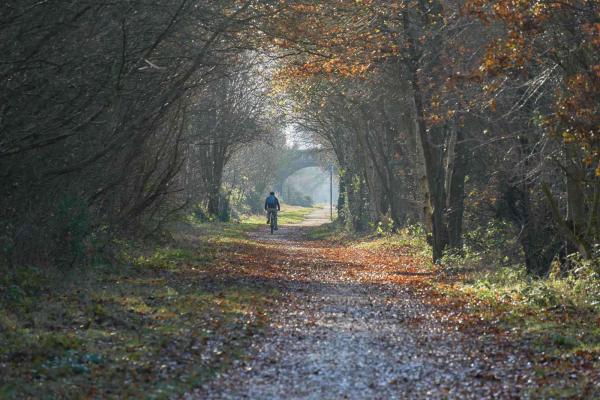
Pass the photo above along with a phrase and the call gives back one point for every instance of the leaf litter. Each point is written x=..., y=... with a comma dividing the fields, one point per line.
x=355, y=323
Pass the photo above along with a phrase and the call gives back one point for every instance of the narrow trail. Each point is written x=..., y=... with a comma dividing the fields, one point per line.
x=343, y=330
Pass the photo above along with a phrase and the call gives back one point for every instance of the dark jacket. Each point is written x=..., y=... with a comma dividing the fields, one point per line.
x=276, y=202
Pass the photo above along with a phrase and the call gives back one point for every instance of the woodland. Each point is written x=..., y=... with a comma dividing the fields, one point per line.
x=469, y=128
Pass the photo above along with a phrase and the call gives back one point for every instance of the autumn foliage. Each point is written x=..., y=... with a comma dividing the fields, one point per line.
x=562, y=35
x=519, y=70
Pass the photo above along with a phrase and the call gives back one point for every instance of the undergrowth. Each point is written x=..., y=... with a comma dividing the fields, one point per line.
x=562, y=313
x=557, y=318
x=410, y=240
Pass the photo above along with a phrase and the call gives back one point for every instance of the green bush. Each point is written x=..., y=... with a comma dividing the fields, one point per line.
x=580, y=289
x=18, y=284
x=200, y=214
x=493, y=246
x=385, y=227
x=70, y=227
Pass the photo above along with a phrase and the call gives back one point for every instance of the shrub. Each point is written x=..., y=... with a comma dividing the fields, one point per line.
x=385, y=227
x=70, y=228
x=493, y=246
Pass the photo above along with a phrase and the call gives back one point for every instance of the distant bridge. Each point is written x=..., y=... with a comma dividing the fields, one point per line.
x=294, y=160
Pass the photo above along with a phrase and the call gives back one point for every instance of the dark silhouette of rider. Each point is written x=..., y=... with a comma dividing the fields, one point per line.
x=271, y=206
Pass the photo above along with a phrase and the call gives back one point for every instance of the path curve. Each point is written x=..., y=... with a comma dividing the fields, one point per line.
x=336, y=337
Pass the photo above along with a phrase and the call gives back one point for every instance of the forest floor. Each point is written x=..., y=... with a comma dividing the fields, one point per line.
x=229, y=311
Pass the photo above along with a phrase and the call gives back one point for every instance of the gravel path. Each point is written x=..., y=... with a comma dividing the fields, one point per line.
x=334, y=338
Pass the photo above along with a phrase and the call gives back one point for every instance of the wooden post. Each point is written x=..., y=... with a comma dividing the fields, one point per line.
x=331, y=192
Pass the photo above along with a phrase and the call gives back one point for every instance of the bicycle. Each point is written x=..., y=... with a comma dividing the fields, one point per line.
x=273, y=220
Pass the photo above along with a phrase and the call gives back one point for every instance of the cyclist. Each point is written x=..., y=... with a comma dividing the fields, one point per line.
x=271, y=207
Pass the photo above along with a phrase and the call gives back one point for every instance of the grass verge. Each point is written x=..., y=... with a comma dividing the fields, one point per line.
x=287, y=215
x=161, y=322
x=410, y=240
x=556, y=319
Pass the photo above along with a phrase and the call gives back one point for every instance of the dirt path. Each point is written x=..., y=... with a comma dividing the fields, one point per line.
x=343, y=331
x=318, y=217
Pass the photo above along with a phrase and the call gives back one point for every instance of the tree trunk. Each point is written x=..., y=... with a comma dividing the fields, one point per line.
x=341, y=203
x=431, y=146
x=456, y=171
x=214, y=195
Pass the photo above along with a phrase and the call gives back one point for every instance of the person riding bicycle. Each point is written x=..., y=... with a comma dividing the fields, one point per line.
x=271, y=207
